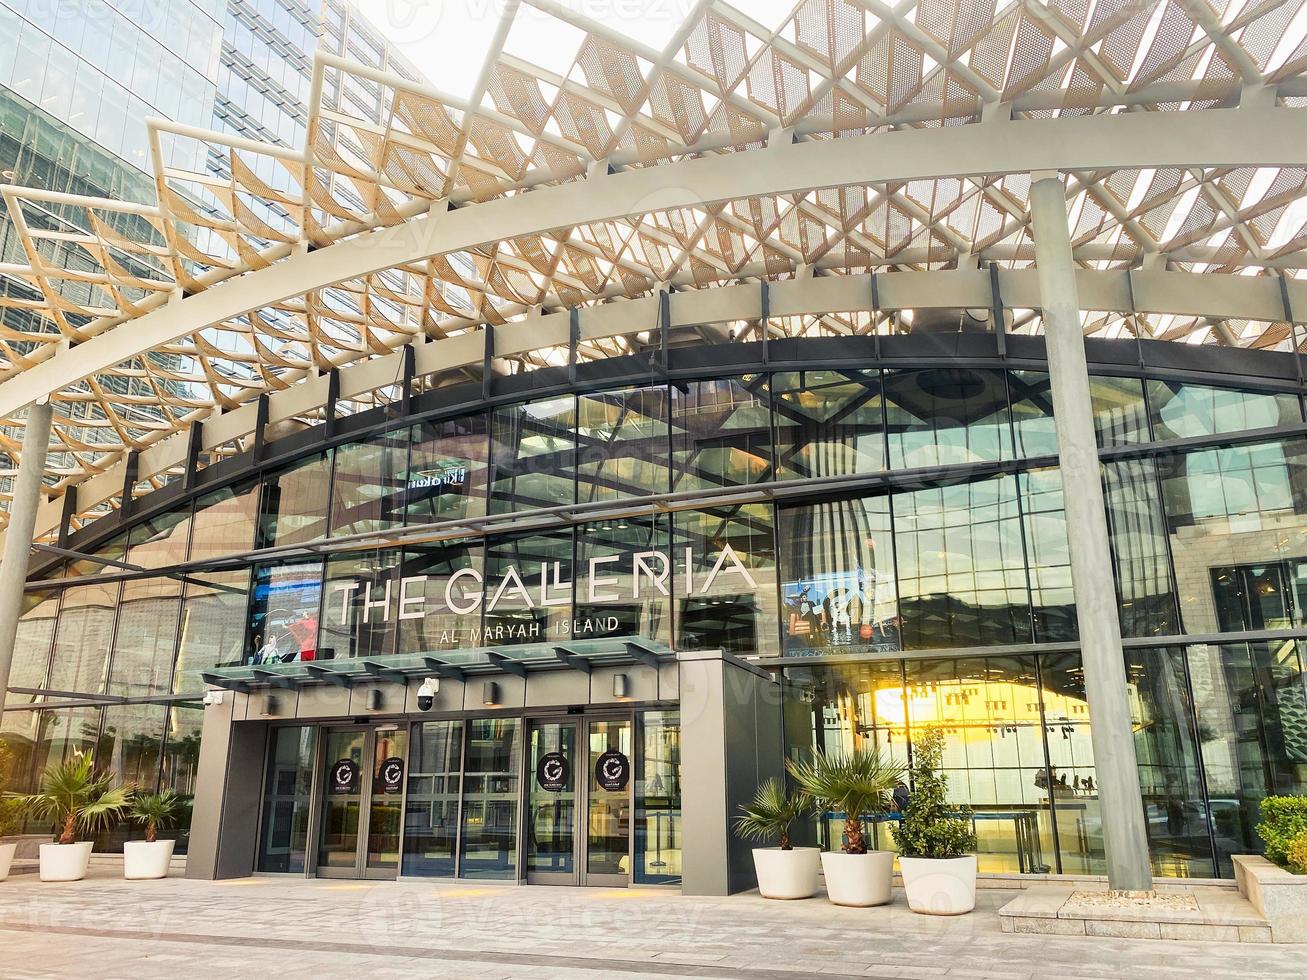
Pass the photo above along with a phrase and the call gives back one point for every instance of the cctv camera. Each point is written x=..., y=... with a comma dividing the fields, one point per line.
x=427, y=693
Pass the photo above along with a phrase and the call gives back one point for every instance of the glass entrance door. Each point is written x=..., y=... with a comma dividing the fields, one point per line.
x=579, y=803
x=362, y=802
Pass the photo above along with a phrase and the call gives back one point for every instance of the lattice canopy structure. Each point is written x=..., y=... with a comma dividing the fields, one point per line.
x=888, y=146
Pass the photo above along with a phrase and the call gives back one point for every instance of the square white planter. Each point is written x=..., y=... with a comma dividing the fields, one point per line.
x=858, y=880
x=6, y=859
x=65, y=862
x=940, y=886
x=144, y=860
x=787, y=874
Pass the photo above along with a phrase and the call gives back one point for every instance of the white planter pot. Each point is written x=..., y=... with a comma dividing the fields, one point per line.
x=6, y=859
x=858, y=879
x=65, y=862
x=787, y=874
x=143, y=859
x=940, y=886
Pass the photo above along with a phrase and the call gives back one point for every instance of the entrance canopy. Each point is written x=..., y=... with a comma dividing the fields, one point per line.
x=517, y=660
x=888, y=143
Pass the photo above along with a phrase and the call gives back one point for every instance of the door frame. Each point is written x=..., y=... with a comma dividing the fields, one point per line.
x=579, y=876
x=360, y=870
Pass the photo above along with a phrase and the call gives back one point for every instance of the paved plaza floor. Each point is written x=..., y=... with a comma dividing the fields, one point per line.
x=286, y=929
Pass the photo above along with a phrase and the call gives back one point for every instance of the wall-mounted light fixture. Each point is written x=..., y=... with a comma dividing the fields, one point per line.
x=271, y=704
x=376, y=700
x=621, y=688
x=490, y=694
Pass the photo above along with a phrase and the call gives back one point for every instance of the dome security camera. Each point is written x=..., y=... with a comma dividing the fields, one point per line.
x=427, y=693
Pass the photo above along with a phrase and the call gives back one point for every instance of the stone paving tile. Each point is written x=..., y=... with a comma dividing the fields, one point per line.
x=248, y=924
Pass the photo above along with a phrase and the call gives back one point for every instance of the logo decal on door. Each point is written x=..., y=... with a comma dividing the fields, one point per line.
x=553, y=772
x=392, y=775
x=345, y=776
x=613, y=771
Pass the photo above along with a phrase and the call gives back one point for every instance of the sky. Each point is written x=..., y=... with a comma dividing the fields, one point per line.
x=448, y=39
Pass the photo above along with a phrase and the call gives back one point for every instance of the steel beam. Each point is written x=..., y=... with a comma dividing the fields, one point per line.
x=1121, y=805
x=1216, y=137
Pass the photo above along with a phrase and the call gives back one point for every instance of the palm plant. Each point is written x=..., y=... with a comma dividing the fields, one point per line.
x=76, y=799
x=770, y=814
x=154, y=811
x=856, y=783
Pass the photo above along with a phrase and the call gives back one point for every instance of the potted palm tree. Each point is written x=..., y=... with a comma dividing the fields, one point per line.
x=935, y=839
x=149, y=858
x=854, y=784
x=784, y=871
x=76, y=800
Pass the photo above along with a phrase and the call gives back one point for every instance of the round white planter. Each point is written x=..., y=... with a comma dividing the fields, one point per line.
x=787, y=874
x=65, y=862
x=858, y=879
x=940, y=886
x=6, y=859
x=143, y=859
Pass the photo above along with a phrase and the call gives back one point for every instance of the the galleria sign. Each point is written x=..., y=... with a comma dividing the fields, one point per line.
x=466, y=591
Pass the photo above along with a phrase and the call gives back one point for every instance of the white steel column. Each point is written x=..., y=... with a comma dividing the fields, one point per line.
x=1120, y=802
x=18, y=536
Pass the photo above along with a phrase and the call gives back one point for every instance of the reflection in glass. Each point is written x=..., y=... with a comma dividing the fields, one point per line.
x=1032, y=413
x=146, y=637
x=516, y=610
x=608, y=603
x=726, y=598
x=551, y=809
x=1120, y=413
x=721, y=433
x=1251, y=704
x=360, y=605
x=81, y=640
x=181, y=762
x=130, y=743
x=622, y=448
x=1137, y=533
x=287, y=799
x=447, y=469
x=367, y=484
x=489, y=842
x=342, y=800
x=1167, y=754
x=1182, y=410
x=828, y=423
x=294, y=505
x=1053, y=604
x=608, y=820
x=431, y=807
x=961, y=565
x=161, y=540
x=452, y=614
x=938, y=416
x=387, y=800
x=1233, y=506
x=224, y=522
x=212, y=631
x=989, y=712
x=1071, y=775
x=837, y=585
x=34, y=636
x=283, y=614
x=533, y=455
x=658, y=798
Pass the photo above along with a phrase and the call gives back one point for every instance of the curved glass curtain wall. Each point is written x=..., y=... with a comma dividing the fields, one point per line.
x=946, y=534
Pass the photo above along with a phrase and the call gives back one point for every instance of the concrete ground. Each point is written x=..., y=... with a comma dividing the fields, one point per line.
x=104, y=927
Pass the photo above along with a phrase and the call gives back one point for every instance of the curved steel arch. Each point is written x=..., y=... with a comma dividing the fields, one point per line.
x=1179, y=293
x=1252, y=137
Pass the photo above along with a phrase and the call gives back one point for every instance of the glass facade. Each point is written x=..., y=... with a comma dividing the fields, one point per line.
x=927, y=544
